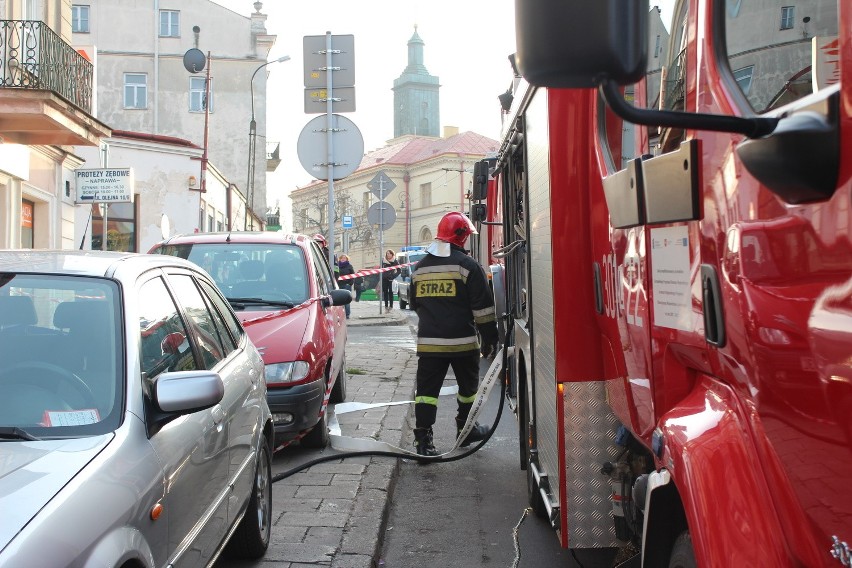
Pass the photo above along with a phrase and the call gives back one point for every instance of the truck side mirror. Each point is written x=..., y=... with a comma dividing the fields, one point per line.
x=480, y=181
x=576, y=43
x=478, y=212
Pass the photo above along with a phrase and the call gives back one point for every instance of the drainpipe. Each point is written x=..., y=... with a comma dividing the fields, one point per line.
x=461, y=186
x=156, y=66
x=229, y=204
x=407, y=178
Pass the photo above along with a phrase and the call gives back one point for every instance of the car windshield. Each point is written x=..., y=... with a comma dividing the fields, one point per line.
x=60, y=356
x=251, y=273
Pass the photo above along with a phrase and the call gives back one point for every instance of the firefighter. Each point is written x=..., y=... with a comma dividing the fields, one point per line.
x=453, y=301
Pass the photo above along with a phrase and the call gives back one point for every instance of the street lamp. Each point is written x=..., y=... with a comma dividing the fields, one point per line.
x=253, y=144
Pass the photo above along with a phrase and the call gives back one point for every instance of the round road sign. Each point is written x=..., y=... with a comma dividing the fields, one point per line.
x=347, y=145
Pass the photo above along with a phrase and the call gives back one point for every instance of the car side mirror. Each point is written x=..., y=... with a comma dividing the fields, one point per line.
x=338, y=297
x=576, y=43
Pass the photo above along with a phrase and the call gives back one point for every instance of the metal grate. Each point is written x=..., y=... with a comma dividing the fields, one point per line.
x=33, y=56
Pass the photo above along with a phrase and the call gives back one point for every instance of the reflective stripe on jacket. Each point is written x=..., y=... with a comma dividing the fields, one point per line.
x=453, y=301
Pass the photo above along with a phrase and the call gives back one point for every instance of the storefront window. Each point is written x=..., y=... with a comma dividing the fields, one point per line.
x=27, y=211
x=121, y=226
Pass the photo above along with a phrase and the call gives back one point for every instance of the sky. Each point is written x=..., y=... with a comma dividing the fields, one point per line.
x=467, y=45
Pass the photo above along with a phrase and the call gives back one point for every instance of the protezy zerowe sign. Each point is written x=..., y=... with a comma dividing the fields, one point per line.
x=105, y=185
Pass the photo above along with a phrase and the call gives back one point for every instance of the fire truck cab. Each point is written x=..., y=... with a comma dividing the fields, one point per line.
x=669, y=228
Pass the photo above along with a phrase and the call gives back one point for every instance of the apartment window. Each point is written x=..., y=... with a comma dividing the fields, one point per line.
x=743, y=77
x=197, y=94
x=787, y=15
x=425, y=194
x=80, y=19
x=169, y=23
x=657, y=48
x=135, y=90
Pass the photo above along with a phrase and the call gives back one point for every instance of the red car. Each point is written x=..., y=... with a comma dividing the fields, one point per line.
x=282, y=289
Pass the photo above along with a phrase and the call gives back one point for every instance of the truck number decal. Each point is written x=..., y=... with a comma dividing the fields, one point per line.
x=622, y=294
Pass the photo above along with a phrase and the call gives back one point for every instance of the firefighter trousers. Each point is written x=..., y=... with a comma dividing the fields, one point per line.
x=431, y=372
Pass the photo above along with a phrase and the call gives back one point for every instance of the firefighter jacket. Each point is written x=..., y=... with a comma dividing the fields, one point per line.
x=453, y=301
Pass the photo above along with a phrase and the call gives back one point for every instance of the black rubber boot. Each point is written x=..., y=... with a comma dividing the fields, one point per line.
x=477, y=433
x=423, y=443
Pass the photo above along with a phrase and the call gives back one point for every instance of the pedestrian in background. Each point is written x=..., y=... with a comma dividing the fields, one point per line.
x=345, y=268
x=454, y=304
x=388, y=277
x=358, y=286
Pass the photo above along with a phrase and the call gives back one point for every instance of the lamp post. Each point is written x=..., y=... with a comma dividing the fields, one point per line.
x=252, y=157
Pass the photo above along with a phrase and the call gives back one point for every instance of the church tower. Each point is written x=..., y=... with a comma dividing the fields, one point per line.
x=415, y=96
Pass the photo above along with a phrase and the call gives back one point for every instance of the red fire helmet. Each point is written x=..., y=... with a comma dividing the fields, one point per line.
x=455, y=228
x=320, y=239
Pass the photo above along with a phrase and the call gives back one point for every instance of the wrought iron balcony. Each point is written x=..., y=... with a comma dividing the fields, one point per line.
x=33, y=56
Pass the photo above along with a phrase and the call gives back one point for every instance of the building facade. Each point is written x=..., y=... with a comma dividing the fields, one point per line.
x=168, y=199
x=415, y=96
x=46, y=110
x=189, y=70
x=432, y=176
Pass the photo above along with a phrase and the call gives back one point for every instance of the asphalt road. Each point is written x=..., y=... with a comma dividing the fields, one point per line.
x=470, y=512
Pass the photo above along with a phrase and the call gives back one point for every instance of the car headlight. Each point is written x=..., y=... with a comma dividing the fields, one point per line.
x=285, y=373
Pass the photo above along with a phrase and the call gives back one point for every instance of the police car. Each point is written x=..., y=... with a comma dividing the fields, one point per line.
x=402, y=283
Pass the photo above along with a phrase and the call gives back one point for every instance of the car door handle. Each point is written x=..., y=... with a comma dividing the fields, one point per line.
x=218, y=415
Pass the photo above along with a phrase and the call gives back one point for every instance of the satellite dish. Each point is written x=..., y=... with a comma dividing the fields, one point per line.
x=194, y=60
x=165, y=226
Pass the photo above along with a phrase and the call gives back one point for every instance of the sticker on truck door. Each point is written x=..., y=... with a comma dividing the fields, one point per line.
x=671, y=278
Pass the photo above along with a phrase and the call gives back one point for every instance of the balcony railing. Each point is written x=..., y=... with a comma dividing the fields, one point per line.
x=33, y=56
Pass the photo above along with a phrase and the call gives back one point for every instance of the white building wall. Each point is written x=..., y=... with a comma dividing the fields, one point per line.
x=162, y=186
x=126, y=36
x=450, y=177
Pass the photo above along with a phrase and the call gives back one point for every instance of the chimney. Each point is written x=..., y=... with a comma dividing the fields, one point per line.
x=450, y=131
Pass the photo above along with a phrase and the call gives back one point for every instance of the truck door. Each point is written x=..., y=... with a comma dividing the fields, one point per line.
x=787, y=260
x=648, y=262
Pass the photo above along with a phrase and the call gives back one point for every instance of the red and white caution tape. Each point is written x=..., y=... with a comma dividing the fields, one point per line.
x=369, y=271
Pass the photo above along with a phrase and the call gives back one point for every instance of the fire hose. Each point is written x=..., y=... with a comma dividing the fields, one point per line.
x=358, y=447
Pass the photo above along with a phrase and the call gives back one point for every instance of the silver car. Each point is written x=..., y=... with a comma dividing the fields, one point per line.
x=134, y=428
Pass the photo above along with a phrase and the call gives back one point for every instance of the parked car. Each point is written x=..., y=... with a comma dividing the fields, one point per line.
x=402, y=282
x=283, y=291
x=134, y=428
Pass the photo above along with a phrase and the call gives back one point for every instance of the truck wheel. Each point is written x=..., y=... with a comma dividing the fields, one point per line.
x=533, y=493
x=523, y=429
x=683, y=556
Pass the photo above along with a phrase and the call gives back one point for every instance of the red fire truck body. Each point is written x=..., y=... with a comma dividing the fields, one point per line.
x=680, y=301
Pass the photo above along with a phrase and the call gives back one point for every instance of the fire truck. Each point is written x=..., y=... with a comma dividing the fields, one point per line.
x=668, y=226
